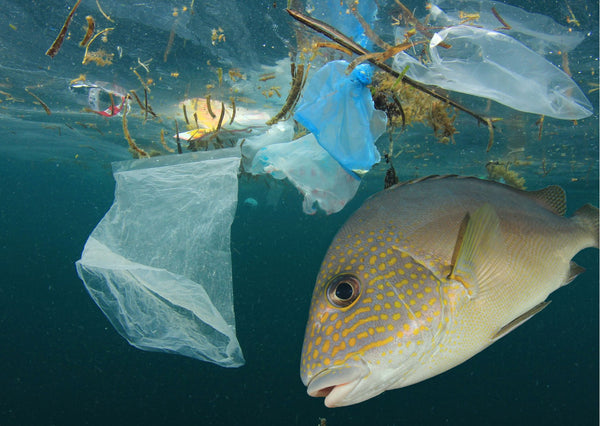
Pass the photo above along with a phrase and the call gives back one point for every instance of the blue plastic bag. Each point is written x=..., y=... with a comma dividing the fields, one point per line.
x=338, y=109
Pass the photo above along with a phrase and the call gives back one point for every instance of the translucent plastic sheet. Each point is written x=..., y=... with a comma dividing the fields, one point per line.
x=536, y=31
x=493, y=65
x=338, y=109
x=278, y=133
x=312, y=170
x=159, y=263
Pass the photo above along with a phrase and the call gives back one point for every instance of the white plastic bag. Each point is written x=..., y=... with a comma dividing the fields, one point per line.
x=493, y=65
x=316, y=174
x=159, y=263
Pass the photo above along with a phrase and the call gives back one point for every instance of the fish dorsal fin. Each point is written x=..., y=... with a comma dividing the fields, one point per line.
x=552, y=197
x=519, y=320
x=478, y=251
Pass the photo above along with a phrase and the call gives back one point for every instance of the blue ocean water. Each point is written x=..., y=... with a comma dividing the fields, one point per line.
x=63, y=363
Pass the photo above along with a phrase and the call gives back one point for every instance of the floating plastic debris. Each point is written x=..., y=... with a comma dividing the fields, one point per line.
x=103, y=98
x=159, y=263
x=493, y=65
x=338, y=109
x=538, y=32
x=316, y=174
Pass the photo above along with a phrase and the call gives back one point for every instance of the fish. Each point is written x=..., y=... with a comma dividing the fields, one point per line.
x=428, y=273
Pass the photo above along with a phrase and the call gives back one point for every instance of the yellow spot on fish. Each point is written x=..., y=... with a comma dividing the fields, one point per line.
x=325, y=347
x=396, y=316
x=372, y=260
x=362, y=335
x=382, y=266
x=352, y=341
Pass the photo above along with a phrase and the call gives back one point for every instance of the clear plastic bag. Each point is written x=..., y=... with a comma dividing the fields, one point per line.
x=338, y=109
x=538, y=32
x=312, y=170
x=493, y=65
x=159, y=263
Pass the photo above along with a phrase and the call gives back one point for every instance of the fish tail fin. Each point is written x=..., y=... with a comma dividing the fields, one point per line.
x=587, y=218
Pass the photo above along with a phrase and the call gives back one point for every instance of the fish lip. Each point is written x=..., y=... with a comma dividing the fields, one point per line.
x=336, y=383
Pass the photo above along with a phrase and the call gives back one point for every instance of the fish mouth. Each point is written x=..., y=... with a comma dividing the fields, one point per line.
x=334, y=384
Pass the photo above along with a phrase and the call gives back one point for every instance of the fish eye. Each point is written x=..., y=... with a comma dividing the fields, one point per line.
x=343, y=290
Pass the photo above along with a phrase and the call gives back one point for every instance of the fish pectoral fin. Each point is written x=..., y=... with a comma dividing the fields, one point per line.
x=519, y=320
x=574, y=271
x=479, y=251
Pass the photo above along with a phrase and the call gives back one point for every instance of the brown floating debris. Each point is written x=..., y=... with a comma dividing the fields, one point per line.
x=380, y=56
x=221, y=116
x=266, y=77
x=210, y=111
x=102, y=12
x=130, y=141
x=185, y=115
x=499, y=18
x=145, y=104
x=163, y=142
x=53, y=50
x=298, y=80
x=233, y=113
x=136, y=97
x=368, y=31
x=97, y=56
x=40, y=101
x=89, y=32
x=179, y=151
x=412, y=20
x=540, y=124
x=330, y=45
x=169, y=44
x=491, y=130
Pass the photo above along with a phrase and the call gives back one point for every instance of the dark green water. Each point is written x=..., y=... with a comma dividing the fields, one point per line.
x=62, y=363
